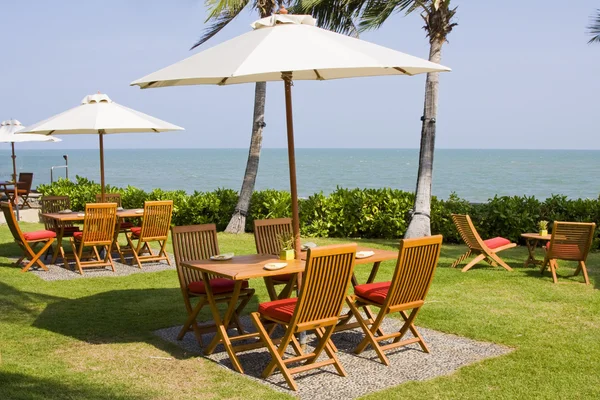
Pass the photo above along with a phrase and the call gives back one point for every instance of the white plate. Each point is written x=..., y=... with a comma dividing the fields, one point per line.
x=81, y=215
x=274, y=266
x=139, y=211
x=308, y=245
x=364, y=254
x=65, y=212
x=119, y=208
x=222, y=257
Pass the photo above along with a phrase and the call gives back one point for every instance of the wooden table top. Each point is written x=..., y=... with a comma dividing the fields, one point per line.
x=80, y=215
x=537, y=236
x=380, y=255
x=246, y=267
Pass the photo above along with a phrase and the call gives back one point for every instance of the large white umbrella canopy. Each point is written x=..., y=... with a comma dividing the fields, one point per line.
x=287, y=47
x=8, y=130
x=98, y=114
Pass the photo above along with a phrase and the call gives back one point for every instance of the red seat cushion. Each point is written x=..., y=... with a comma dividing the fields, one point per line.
x=284, y=277
x=376, y=292
x=127, y=225
x=281, y=310
x=496, y=242
x=77, y=235
x=218, y=285
x=136, y=230
x=39, y=235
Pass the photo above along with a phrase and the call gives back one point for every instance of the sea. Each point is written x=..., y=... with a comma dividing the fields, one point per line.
x=475, y=175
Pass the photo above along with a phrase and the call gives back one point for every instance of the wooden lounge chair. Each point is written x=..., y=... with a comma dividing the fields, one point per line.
x=570, y=241
x=315, y=309
x=23, y=189
x=485, y=249
x=156, y=222
x=266, y=236
x=98, y=230
x=199, y=242
x=29, y=240
x=406, y=291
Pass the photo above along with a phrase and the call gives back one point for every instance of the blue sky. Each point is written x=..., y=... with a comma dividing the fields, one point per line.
x=523, y=77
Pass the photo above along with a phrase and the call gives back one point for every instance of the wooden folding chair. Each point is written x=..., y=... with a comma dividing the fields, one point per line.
x=29, y=240
x=109, y=198
x=156, y=222
x=326, y=279
x=199, y=242
x=486, y=250
x=54, y=204
x=570, y=241
x=266, y=236
x=23, y=189
x=417, y=260
x=98, y=230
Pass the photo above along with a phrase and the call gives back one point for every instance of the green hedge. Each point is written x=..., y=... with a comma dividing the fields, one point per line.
x=367, y=213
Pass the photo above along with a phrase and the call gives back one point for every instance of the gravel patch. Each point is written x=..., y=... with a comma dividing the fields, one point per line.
x=365, y=372
x=57, y=272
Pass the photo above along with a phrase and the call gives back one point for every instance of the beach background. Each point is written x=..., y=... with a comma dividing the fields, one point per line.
x=475, y=175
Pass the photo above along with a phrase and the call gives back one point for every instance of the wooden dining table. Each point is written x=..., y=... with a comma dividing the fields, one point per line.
x=78, y=216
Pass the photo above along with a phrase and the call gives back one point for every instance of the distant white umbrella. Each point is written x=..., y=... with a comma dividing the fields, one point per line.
x=8, y=130
x=287, y=47
x=98, y=114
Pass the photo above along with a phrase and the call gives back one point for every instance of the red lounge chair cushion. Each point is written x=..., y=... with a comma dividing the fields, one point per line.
x=496, y=242
x=39, y=235
x=376, y=292
x=281, y=310
x=77, y=235
x=136, y=230
x=218, y=285
x=284, y=277
x=127, y=225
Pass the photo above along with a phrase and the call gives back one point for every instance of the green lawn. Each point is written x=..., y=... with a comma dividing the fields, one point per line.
x=92, y=338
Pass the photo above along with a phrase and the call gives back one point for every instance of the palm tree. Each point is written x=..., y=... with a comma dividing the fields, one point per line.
x=594, y=28
x=339, y=15
x=221, y=13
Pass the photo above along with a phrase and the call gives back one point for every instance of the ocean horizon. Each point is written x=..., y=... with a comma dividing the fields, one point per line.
x=473, y=174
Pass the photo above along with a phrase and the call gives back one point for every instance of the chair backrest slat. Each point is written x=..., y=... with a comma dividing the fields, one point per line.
x=193, y=242
x=467, y=231
x=326, y=277
x=109, y=198
x=99, y=223
x=571, y=240
x=417, y=260
x=25, y=181
x=54, y=204
x=12, y=223
x=156, y=220
x=267, y=233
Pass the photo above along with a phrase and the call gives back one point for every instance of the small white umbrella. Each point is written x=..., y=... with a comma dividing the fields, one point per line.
x=287, y=47
x=98, y=114
x=8, y=130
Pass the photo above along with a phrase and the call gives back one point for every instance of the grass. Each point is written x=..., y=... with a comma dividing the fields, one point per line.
x=92, y=338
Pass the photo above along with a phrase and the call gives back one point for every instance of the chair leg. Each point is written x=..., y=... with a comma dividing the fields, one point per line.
x=460, y=259
x=191, y=320
x=473, y=262
x=329, y=349
x=500, y=261
x=77, y=255
x=583, y=269
x=369, y=333
x=35, y=259
x=553, y=270
x=409, y=321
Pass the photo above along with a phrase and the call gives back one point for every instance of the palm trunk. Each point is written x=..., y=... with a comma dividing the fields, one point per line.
x=238, y=220
x=420, y=223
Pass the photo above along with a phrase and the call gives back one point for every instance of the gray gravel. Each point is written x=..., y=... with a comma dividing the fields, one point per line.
x=59, y=272
x=366, y=374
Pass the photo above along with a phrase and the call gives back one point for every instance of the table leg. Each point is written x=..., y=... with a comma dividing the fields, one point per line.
x=59, y=250
x=531, y=245
x=373, y=273
x=221, y=335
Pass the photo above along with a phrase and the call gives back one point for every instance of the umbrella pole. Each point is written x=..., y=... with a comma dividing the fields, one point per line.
x=14, y=160
x=101, y=136
x=287, y=78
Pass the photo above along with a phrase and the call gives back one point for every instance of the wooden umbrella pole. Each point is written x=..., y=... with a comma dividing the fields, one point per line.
x=101, y=133
x=287, y=78
x=16, y=187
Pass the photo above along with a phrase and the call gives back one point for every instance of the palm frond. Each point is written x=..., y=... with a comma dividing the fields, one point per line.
x=336, y=15
x=376, y=12
x=221, y=20
x=594, y=28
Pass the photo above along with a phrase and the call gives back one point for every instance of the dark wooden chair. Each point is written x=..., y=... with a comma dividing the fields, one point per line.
x=27, y=241
x=23, y=189
x=570, y=241
x=156, y=222
x=318, y=307
x=486, y=250
x=54, y=204
x=98, y=231
x=199, y=242
x=266, y=236
x=417, y=260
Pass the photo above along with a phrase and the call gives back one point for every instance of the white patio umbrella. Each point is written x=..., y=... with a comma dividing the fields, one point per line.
x=8, y=130
x=288, y=47
x=98, y=114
